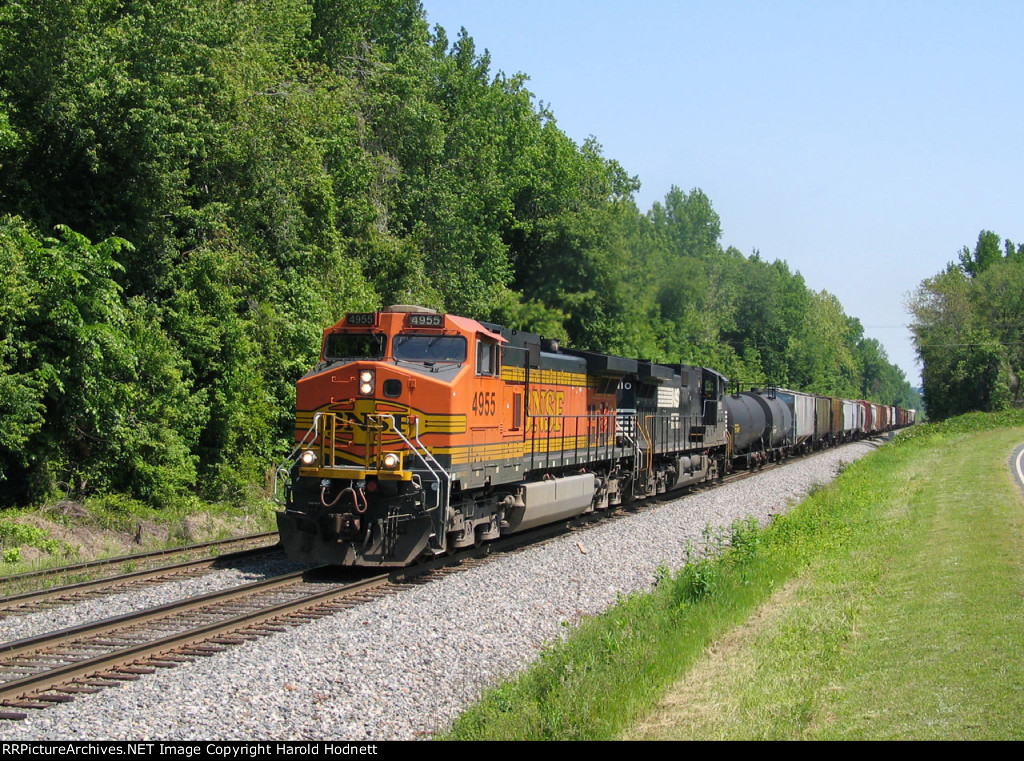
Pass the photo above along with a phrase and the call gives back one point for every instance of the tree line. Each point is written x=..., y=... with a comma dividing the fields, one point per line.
x=190, y=191
x=968, y=326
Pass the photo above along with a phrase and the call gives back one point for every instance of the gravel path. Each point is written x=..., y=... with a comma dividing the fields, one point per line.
x=406, y=665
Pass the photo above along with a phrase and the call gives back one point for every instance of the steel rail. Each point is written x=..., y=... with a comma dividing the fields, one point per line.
x=30, y=690
x=26, y=689
x=69, y=569
x=51, y=639
x=27, y=598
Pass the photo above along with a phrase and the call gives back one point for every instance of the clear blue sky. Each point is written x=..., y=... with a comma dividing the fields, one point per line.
x=862, y=142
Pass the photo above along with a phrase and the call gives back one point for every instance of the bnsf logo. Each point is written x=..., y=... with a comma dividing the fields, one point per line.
x=363, y=421
x=545, y=410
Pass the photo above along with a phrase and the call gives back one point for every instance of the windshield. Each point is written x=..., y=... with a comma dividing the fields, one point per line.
x=427, y=348
x=355, y=346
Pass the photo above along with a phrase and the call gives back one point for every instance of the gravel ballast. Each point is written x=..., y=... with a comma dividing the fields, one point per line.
x=405, y=665
x=19, y=625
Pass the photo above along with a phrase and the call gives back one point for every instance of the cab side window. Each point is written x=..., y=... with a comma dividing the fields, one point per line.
x=486, y=363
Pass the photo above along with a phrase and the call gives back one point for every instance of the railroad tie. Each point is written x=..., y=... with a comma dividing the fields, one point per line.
x=48, y=697
x=34, y=704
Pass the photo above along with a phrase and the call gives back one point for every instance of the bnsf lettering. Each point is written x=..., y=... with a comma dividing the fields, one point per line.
x=360, y=420
x=545, y=410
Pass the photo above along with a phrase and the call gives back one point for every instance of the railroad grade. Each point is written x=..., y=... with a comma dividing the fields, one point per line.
x=40, y=671
x=52, y=668
x=424, y=652
x=70, y=594
x=29, y=591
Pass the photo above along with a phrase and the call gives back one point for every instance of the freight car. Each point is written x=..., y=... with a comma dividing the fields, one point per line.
x=418, y=433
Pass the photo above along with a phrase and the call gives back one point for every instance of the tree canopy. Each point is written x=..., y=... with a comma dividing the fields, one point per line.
x=191, y=190
x=968, y=328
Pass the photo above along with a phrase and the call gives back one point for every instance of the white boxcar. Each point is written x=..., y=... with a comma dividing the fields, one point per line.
x=802, y=407
x=863, y=417
x=850, y=422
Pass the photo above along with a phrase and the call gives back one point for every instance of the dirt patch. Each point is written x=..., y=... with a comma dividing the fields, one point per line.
x=69, y=509
x=79, y=537
x=195, y=526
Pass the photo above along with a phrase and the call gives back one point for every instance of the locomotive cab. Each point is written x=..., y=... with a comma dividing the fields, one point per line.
x=371, y=480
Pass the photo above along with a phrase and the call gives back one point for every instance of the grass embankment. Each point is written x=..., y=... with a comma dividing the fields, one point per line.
x=68, y=532
x=887, y=605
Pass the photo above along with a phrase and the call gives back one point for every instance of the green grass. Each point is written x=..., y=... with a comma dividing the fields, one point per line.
x=631, y=653
x=942, y=633
x=888, y=605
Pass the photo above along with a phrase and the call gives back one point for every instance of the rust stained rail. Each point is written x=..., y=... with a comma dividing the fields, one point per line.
x=69, y=569
x=23, y=688
x=14, y=602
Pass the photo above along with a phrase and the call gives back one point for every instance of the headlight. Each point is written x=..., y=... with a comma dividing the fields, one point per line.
x=366, y=382
x=391, y=461
x=308, y=457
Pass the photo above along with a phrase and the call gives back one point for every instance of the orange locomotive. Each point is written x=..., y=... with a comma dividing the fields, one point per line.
x=421, y=432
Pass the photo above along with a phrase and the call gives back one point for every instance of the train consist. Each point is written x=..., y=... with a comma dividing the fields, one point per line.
x=418, y=433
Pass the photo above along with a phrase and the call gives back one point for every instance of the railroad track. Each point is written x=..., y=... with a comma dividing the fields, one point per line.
x=52, y=668
x=21, y=602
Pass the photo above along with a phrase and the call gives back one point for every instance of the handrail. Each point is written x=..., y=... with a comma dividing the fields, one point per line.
x=427, y=457
x=375, y=426
x=647, y=437
x=285, y=467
